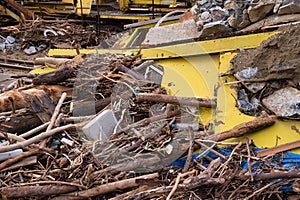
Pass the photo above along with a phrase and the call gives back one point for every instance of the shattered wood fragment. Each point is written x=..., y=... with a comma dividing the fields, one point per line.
x=162, y=98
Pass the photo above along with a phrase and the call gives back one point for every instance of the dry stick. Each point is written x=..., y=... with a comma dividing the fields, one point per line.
x=36, y=138
x=278, y=149
x=54, y=116
x=29, y=133
x=11, y=136
x=19, y=157
x=132, y=192
x=106, y=188
x=248, y=159
x=36, y=191
x=163, y=98
x=260, y=190
x=190, y=153
x=53, y=182
x=145, y=122
x=177, y=182
x=272, y=175
x=244, y=128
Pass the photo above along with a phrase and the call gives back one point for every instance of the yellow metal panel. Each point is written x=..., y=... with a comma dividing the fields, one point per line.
x=129, y=17
x=156, y=2
x=193, y=77
x=42, y=70
x=207, y=47
x=86, y=7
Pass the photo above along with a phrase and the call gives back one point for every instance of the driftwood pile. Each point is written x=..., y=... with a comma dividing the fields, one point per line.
x=42, y=124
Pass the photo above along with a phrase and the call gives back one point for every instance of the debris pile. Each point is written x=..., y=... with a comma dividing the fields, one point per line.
x=41, y=35
x=134, y=151
x=269, y=76
x=225, y=17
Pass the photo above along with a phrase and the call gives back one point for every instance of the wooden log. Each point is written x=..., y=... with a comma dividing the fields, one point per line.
x=106, y=188
x=54, y=77
x=50, y=60
x=278, y=149
x=273, y=175
x=244, y=128
x=35, y=191
x=20, y=124
x=162, y=98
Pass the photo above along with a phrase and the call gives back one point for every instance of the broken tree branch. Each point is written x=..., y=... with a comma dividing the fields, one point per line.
x=244, y=128
x=109, y=187
x=163, y=98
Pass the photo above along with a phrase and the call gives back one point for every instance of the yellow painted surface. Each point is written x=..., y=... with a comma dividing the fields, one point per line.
x=86, y=7
x=129, y=17
x=207, y=47
x=42, y=70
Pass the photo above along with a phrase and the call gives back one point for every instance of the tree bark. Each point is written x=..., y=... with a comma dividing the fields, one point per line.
x=191, y=101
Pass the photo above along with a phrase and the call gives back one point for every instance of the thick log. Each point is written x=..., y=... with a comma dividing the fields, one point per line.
x=36, y=191
x=50, y=60
x=163, y=98
x=20, y=124
x=54, y=77
x=244, y=128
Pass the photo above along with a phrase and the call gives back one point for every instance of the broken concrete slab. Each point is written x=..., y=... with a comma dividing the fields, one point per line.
x=259, y=11
x=284, y=102
x=171, y=33
x=214, y=28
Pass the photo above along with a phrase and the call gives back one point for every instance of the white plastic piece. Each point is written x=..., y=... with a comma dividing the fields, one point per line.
x=101, y=127
x=10, y=154
x=67, y=141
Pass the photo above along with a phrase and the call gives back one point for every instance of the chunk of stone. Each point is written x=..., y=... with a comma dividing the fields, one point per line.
x=214, y=28
x=171, y=33
x=290, y=8
x=247, y=74
x=260, y=10
x=218, y=14
x=284, y=102
x=230, y=5
x=10, y=39
x=31, y=50
x=205, y=16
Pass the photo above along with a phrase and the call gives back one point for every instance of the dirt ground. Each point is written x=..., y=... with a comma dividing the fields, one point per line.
x=276, y=58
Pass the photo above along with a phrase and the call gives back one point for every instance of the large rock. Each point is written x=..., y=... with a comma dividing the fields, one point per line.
x=284, y=102
x=214, y=29
x=289, y=7
x=259, y=11
x=171, y=33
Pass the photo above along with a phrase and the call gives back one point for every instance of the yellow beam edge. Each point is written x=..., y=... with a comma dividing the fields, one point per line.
x=129, y=17
x=185, y=49
x=207, y=47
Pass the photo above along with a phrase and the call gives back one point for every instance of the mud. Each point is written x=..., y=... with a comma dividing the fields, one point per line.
x=276, y=58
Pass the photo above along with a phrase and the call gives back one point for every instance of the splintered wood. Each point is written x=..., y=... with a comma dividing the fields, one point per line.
x=44, y=123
